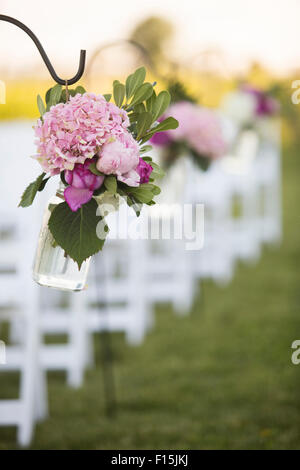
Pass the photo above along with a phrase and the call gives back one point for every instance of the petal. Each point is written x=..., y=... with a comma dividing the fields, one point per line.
x=77, y=180
x=69, y=176
x=132, y=178
x=76, y=197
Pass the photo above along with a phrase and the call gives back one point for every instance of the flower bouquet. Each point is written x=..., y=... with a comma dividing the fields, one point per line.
x=248, y=105
x=199, y=134
x=253, y=112
x=98, y=149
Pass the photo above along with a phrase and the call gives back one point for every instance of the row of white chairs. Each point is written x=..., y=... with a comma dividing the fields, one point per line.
x=129, y=276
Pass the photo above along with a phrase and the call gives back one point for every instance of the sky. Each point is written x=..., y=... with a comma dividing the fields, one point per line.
x=246, y=30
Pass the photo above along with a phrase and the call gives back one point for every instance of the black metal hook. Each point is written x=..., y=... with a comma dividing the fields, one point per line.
x=45, y=58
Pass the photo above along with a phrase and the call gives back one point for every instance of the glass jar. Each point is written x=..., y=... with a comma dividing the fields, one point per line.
x=52, y=267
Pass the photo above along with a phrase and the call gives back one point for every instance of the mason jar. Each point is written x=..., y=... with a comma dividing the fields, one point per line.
x=52, y=267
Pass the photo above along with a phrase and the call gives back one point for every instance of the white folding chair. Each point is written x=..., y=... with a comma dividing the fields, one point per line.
x=19, y=301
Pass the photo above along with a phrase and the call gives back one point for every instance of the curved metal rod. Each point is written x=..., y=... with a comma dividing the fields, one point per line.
x=45, y=58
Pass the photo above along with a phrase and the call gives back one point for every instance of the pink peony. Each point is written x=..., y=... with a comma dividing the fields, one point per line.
x=82, y=185
x=74, y=131
x=198, y=127
x=144, y=170
x=120, y=157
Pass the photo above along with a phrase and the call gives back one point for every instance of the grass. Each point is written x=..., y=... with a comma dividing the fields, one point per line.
x=221, y=378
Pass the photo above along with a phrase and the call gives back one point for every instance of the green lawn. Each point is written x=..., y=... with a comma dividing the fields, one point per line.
x=220, y=378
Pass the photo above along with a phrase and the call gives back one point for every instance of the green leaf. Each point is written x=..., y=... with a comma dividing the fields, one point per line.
x=169, y=123
x=76, y=232
x=110, y=183
x=161, y=103
x=119, y=94
x=150, y=102
x=157, y=172
x=55, y=95
x=94, y=169
x=154, y=188
x=139, y=108
x=143, y=196
x=133, y=117
x=145, y=192
x=107, y=96
x=41, y=106
x=30, y=192
x=43, y=184
x=145, y=149
x=80, y=89
x=47, y=95
x=142, y=94
x=134, y=81
x=144, y=121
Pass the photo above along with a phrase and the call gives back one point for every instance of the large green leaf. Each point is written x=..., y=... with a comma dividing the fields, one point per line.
x=31, y=190
x=119, y=93
x=134, y=81
x=142, y=94
x=160, y=104
x=76, y=232
x=144, y=121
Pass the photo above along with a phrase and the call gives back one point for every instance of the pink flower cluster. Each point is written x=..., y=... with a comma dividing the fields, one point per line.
x=75, y=131
x=88, y=129
x=198, y=127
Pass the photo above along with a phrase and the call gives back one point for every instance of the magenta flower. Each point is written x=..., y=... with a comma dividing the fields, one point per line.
x=144, y=170
x=82, y=185
x=161, y=139
x=265, y=105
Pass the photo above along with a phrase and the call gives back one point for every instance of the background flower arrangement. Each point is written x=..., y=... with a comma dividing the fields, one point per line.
x=98, y=149
x=199, y=132
x=248, y=104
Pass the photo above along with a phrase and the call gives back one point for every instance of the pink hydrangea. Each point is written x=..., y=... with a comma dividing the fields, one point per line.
x=198, y=127
x=120, y=157
x=73, y=132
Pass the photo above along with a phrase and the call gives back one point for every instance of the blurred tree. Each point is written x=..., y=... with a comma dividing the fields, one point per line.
x=179, y=92
x=153, y=34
